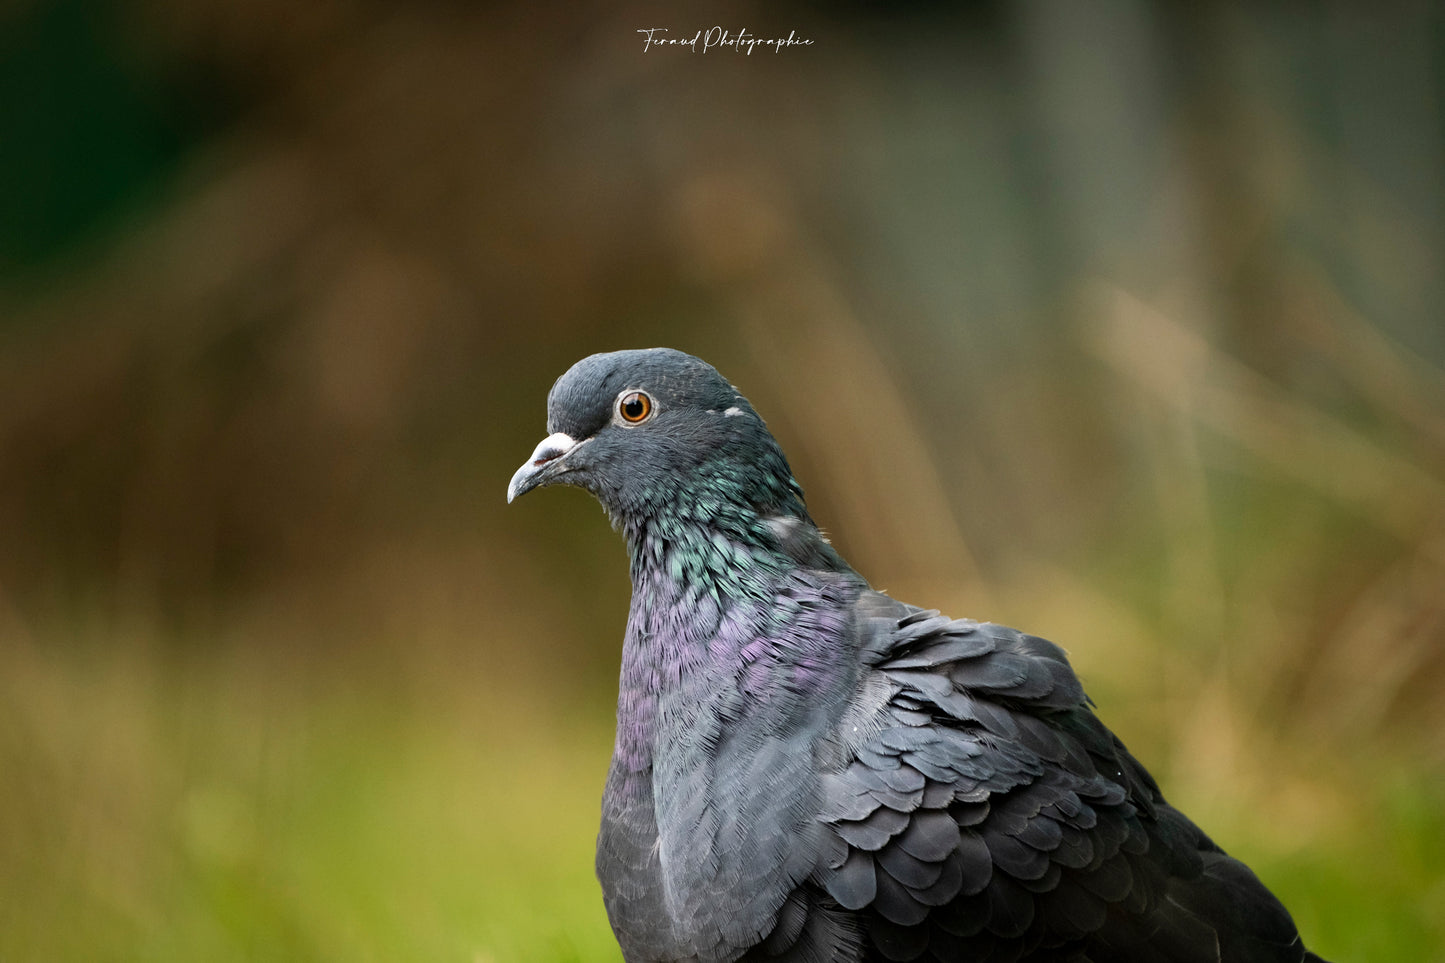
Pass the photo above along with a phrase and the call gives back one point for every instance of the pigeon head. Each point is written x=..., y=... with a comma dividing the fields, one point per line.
x=659, y=433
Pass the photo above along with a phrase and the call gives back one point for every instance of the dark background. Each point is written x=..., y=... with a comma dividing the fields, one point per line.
x=1118, y=322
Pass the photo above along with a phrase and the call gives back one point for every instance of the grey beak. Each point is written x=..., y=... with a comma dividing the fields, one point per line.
x=534, y=473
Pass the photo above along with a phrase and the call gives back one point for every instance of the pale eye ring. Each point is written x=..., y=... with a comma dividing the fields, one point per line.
x=634, y=406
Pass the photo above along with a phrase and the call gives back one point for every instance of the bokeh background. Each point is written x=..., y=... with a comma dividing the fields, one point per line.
x=1118, y=322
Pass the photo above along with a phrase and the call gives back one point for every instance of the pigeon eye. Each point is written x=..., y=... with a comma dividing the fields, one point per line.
x=634, y=406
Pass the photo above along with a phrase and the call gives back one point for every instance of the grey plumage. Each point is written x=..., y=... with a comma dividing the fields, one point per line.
x=808, y=770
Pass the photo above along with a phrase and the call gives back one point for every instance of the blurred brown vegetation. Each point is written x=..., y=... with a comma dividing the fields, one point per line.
x=1119, y=323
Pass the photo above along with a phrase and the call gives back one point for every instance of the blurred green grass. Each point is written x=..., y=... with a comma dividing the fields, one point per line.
x=157, y=813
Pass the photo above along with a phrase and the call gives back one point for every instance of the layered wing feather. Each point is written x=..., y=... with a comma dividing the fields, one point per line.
x=982, y=812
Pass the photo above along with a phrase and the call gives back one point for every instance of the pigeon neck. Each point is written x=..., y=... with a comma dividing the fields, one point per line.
x=725, y=555
x=723, y=544
x=719, y=616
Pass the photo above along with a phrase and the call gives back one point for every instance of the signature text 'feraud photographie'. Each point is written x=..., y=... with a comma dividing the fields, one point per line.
x=716, y=38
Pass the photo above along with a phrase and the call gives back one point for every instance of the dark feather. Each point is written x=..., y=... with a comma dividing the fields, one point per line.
x=908, y=869
x=930, y=836
x=855, y=883
x=895, y=903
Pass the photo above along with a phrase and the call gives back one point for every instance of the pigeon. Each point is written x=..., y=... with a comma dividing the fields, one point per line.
x=808, y=770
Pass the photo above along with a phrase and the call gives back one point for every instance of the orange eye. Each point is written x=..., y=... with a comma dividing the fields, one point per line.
x=634, y=406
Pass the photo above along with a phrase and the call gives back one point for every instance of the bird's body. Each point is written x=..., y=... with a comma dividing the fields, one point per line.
x=808, y=770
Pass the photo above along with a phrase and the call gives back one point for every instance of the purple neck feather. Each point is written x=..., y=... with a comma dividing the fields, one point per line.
x=720, y=628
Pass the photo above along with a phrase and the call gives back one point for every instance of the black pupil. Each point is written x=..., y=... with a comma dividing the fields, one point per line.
x=633, y=407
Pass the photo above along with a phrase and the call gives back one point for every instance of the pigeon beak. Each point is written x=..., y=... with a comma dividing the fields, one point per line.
x=534, y=473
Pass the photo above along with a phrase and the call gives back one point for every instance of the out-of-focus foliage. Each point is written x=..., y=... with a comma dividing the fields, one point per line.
x=1118, y=322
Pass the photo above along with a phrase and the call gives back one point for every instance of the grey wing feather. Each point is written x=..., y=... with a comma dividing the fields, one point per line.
x=989, y=814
